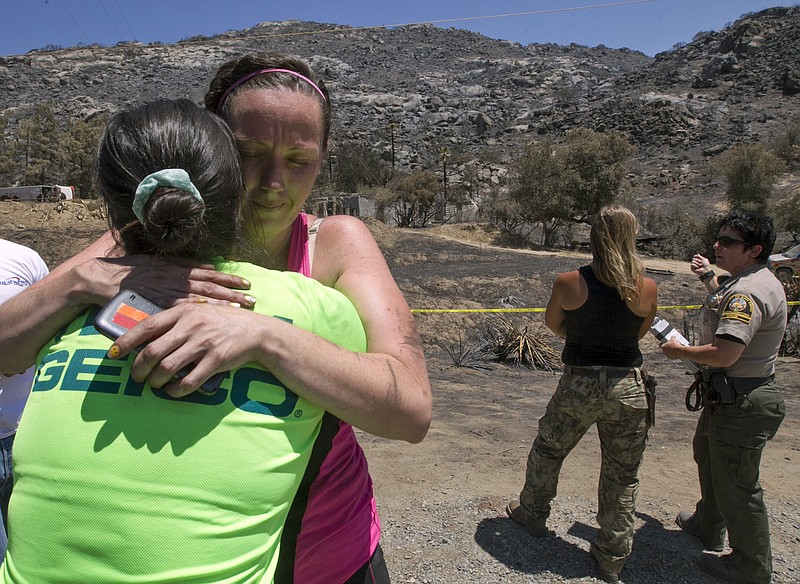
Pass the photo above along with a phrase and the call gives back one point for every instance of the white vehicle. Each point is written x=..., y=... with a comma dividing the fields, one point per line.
x=786, y=264
x=50, y=193
x=66, y=193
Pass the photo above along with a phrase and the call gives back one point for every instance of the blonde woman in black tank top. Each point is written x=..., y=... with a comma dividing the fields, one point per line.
x=601, y=310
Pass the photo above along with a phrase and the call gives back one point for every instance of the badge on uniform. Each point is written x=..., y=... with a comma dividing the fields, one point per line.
x=739, y=307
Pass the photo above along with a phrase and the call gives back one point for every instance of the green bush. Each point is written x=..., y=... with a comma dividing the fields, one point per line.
x=751, y=171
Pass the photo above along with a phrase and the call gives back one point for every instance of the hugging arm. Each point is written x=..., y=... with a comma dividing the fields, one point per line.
x=393, y=388
x=31, y=318
x=384, y=391
x=93, y=277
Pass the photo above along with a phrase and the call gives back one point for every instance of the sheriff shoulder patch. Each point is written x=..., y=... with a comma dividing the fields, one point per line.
x=738, y=307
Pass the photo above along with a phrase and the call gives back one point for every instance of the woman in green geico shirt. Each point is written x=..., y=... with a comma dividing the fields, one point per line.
x=115, y=480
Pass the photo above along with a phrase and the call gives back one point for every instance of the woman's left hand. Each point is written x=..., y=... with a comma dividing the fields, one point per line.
x=206, y=338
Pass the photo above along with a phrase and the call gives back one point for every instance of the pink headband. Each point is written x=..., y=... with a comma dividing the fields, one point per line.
x=249, y=76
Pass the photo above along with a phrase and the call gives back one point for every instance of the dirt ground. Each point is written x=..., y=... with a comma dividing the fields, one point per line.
x=442, y=501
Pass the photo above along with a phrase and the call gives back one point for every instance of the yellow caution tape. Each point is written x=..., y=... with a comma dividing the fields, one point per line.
x=498, y=310
x=441, y=310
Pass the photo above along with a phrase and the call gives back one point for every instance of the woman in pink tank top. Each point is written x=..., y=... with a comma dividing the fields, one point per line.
x=340, y=529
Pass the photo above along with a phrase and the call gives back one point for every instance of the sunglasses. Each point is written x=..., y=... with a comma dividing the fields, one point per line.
x=726, y=241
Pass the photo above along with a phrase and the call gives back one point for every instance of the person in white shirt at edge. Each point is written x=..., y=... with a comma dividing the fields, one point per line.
x=20, y=267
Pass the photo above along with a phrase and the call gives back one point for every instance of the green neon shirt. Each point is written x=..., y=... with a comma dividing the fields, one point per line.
x=117, y=482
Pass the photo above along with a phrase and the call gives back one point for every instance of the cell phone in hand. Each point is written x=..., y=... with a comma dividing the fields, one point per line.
x=125, y=311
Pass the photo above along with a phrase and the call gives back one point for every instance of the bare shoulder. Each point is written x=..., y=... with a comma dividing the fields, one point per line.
x=649, y=289
x=568, y=280
x=345, y=244
x=647, y=303
x=570, y=290
x=343, y=228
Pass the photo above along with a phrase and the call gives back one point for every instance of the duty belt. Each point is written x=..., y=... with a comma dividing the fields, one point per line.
x=744, y=385
x=600, y=373
x=704, y=391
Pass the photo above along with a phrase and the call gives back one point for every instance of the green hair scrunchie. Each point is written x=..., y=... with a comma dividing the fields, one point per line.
x=168, y=177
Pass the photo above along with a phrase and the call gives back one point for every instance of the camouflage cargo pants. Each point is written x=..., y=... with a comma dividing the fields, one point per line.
x=619, y=408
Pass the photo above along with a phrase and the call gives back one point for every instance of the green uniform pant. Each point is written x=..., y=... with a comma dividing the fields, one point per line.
x=727, y=449
x=619, y=408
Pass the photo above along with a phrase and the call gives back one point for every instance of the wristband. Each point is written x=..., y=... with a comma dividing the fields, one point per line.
x=708, y=275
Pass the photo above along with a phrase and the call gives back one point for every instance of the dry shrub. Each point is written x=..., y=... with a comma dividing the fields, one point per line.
x=473, y=355
x=790, y=347
x=691, y=322
x=501, y=340
x=512, y=344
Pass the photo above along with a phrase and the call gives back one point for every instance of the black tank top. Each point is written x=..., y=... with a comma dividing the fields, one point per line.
x=603, y=331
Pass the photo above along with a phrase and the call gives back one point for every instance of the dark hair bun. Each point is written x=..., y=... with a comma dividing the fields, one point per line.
x=172, y=220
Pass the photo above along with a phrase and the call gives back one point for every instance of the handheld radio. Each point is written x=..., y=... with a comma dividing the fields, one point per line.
x=125, y=311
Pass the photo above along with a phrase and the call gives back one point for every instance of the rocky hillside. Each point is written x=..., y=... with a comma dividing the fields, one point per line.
x=479, y=97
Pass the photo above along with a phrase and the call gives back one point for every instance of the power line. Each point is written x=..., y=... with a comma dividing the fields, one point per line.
x=528, y=13
x=116, y=30
x=83, y=32
x=441, y=21
x=125, y=18
x=461, y=19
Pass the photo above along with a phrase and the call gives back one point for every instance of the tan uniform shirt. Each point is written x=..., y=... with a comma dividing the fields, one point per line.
x=750, y=308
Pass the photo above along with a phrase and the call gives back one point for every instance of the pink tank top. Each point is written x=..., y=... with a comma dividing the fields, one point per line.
x=340, y=528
